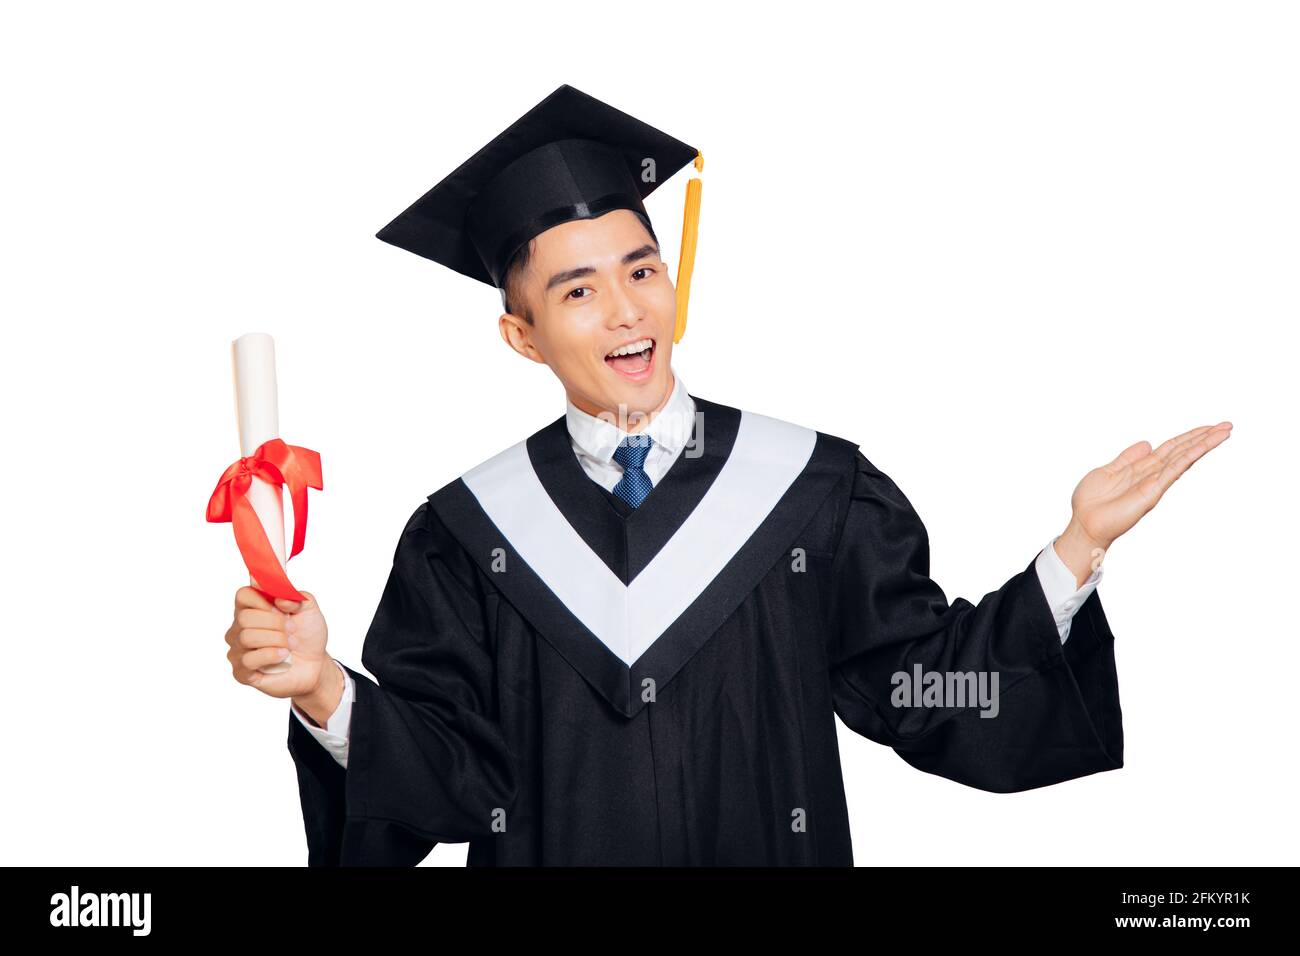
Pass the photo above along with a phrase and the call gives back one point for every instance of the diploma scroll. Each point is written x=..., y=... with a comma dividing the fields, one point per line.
x=258, y=411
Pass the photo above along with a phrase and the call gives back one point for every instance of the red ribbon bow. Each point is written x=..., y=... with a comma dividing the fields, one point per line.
x=279, y=464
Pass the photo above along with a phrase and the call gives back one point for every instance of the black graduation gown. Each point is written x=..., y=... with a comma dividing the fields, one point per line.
x=560, y=679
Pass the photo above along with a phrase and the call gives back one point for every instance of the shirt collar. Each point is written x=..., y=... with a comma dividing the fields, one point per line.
x=670, y=428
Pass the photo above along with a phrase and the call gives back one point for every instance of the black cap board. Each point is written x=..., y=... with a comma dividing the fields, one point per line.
x=569, y=157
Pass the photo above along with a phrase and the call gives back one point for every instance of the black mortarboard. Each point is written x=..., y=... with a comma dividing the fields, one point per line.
x=569, y=157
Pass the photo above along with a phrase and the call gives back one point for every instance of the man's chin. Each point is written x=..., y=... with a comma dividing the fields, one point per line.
x=636, y=401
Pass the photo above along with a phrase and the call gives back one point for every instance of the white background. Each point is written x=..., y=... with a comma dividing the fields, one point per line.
x=992, y=243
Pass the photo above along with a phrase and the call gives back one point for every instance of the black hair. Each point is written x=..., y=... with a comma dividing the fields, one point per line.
x=514, y=269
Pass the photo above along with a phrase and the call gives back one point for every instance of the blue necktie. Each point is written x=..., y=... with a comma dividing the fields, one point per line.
x=635, y=483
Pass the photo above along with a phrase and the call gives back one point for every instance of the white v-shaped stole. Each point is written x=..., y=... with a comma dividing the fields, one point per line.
x=765, y=459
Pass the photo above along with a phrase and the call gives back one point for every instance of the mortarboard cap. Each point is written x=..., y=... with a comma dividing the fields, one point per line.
x=569, y=157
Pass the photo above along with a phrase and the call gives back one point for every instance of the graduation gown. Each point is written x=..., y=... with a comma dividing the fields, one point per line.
x=560, y=679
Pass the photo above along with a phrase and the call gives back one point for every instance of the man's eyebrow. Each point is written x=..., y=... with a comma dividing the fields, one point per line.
x=561, y=277
x=635, y=254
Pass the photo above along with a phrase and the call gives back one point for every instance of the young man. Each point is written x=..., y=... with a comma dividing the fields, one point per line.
x=625, y=640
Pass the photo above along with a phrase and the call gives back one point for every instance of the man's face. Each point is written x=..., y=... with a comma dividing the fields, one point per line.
x=596, y=287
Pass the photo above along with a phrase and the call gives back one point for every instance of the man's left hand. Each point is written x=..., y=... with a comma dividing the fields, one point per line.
x=1110, y=499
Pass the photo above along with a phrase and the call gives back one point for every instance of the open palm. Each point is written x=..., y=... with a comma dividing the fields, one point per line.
x=1110, y=499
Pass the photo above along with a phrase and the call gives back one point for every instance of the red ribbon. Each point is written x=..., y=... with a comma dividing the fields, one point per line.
x=279, y=464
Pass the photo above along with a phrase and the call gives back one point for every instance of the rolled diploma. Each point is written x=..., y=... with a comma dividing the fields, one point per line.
x=258, y=410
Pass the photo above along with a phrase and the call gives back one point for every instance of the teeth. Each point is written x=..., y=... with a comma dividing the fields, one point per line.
x=631, y=348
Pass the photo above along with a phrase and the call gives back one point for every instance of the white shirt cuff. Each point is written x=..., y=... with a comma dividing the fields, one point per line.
x=334, y=735
x=1058, y=583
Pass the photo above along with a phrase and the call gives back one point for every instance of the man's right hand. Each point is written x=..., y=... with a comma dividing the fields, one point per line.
x=260, y=634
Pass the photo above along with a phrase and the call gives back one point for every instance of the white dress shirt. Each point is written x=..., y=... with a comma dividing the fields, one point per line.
x=594, y=440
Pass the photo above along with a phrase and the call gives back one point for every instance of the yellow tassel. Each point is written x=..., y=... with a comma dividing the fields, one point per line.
x=690, y=235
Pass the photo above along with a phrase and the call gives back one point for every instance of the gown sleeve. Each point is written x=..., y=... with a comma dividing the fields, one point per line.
x=427, y=761
x=1058, y=714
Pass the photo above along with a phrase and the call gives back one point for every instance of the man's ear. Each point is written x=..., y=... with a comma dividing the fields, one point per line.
x=517, y=334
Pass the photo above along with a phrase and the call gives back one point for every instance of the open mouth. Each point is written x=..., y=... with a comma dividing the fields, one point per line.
x=634, y=359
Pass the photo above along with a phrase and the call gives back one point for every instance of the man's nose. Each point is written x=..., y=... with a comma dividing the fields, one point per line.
x=625, y=307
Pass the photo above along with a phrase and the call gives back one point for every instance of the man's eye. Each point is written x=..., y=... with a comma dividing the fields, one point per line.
x=573, y=293
x=646, y=269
